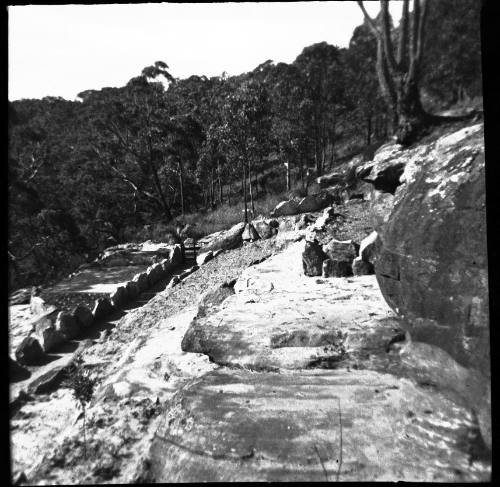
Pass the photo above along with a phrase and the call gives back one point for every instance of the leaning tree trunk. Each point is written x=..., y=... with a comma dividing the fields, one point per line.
x=399, y=74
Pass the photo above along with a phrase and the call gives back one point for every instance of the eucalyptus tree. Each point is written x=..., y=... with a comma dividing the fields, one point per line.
x=321, y=65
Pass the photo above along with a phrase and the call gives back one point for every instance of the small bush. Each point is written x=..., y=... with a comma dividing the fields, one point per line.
x=82, y=384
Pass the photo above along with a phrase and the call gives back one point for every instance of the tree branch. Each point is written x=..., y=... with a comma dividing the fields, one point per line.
x=369, y=20
x=386, y=34
x=420, y=34
x=403, y=36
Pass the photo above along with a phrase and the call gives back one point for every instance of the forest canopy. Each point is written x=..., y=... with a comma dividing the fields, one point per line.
x=85, y=173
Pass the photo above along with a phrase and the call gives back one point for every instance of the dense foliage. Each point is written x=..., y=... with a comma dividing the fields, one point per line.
x=85, y=173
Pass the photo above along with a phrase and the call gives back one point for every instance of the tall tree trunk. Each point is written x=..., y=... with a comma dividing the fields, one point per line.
x=245, y=192
x=220, y=182
x=251, y=189
x=369, y=129
x=399, y=77
x=181, y=185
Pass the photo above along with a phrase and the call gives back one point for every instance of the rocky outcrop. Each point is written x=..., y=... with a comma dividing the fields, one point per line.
x=249, y=234
x=312, y=425
x=341, y=254
x=354, y=421
x=204, y=257
x=48, y=335
x=213, y=298
x=266, y=228
x=102, y=308
x=361, y=267
x=227, y=240
x=83, y=316
x=29, y=351
x=313, y=258
x=432, y=260
x=367, y=248
x=67, y=325
x=285, y=208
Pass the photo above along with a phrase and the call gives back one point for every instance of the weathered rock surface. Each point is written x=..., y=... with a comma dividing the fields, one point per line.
x=204, y=257
x=39, y=306
x=304, y=221
x=102, y=308
x=29, y=352
x=132, y=289
x=17, y=371
x=312, y=425
x=119, y=297
x=312, y=203
x=266, y=228
x=341, y=254
x=47, y=334
x=280, y=319
x=227, y=240
x=67, y=325
x=361, y=267
x=312, y=259
x=432, y=260
x=367, y=248
x=83, y=316
x=213, y=297
x=142, y=281
x=286, y=208
x=249, y=234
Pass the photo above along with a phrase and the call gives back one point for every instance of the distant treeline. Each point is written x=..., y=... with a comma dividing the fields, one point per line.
x=83, y=171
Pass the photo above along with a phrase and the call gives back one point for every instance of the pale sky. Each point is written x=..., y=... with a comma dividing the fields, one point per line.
x=62, y=50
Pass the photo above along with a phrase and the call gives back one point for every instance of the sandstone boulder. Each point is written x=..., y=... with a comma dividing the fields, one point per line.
x=132, y=290
x=330, y=179
x=312, y=426
x=227, y=240
x=304, y=221
x=119, y=297
x=312, y=259
x=142, y=281
x=213, y=297
x=204, y=257
x=29, y=351
x=367, y=248
x=432, y=260
x=310, y=203
x=249, y=234
x=16, y=371
x=67, y=325
x=287, y=224
x=361, y=267
x=173, y=282
x=341, y=254
x=83, y=316
x=102, y=308
x=266, y=228
x=286, y=208
x=175, y=256
x=38, y=305
x=49, y=337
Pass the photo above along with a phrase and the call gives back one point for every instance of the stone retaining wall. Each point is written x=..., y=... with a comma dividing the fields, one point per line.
x=52, y=326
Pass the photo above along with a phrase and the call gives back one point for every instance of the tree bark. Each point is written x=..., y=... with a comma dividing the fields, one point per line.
x=181, y=185
x=399, y=79
x=251, y=189
x=245, y=192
